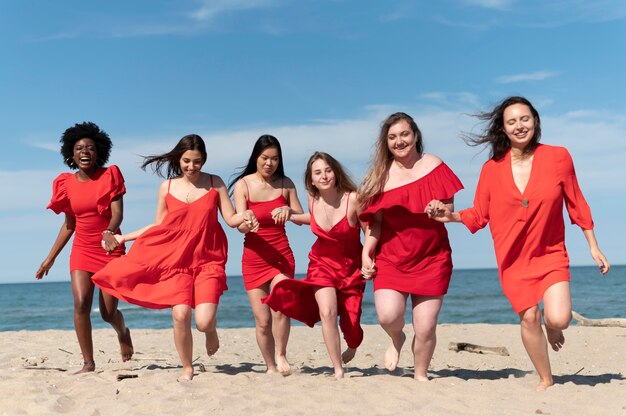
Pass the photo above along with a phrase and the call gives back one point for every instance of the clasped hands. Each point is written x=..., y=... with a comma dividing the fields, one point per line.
x=281, y=215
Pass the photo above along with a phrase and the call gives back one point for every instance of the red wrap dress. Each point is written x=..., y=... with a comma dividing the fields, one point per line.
x=180, y=261
x=413, y=254
x=266, y=253
x=90, y=203
x=334, y=261
x=528, y=229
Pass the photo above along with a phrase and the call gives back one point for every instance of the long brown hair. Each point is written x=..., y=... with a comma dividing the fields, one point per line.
x=343, y=182
x=374, y=180
x=494, y=136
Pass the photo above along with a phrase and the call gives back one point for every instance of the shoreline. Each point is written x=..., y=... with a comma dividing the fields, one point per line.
x=590, y=375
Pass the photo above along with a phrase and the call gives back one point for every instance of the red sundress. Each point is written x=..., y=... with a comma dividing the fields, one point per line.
x=180, y=261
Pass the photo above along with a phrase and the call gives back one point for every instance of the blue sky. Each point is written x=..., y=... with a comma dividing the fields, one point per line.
x=319, y=75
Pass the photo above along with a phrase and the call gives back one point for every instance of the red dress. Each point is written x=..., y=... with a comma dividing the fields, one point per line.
x=266, y=253
x=334, y=261
x=90, y=203
x=180, y=261
x=413, y=253
x=527, y=228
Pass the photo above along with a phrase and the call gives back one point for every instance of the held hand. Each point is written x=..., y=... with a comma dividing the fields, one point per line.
x=109, y=242
x=281, y=215
x=438, y=211
x=368, y=270
x=43, y=270
x=600, y=260
x=249, y=219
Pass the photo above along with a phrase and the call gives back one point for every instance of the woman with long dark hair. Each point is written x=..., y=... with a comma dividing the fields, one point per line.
x=267, y=257
x=520, y=194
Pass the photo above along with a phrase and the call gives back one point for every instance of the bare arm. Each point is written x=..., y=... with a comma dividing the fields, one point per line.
x=160, y=214
x=372, y=236
x=304, y=218
x=281, y=215
x=65, y=233
x=596, y=254
x=110, y=243
x=231, y=217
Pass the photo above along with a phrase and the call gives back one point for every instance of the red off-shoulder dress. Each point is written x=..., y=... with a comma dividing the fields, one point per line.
x=528, y=229
x=413, y=253
x=90, y=203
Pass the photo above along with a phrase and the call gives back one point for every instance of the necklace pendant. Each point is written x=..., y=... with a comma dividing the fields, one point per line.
x=525, y=203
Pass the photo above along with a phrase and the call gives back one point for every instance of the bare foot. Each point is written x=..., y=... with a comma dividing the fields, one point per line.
x=271, y=370
x=338, y=373
x=555, y=338
x=544, y=384
x=282, y=365
x=212, y=342
x=88, y=367
x=348, y=355
x=187, y=375
x=421, y=377
x=126, y=345
x=392, y=355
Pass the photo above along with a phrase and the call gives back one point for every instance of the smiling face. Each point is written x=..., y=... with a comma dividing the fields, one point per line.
x=267, y=162
x=191, y=163
x=85, y=154
x=322, y=175
x=519, y=125
x=401, y=140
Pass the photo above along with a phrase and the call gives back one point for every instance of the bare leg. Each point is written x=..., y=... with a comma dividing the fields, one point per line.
x=348, y=355
x=112, y=315
x=326, y=298
x=536, y=346
x=263, y=320
x=82, y=289
x=390, y=307
x=281, y=327
x=181, y=317
x=557, y=313
x=425, y=313
x=206, y=322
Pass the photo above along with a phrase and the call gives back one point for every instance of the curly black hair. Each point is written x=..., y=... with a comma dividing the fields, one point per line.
x=85, y=130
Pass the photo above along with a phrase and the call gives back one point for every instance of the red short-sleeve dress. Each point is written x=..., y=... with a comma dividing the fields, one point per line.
x=413, y=253
x=334, y=261
x=180, y=261
x=527, y=228
x=266, y=253
x=90, y=203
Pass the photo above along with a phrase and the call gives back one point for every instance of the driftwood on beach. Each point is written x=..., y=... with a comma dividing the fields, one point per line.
x=478, y=349
x=614, y=322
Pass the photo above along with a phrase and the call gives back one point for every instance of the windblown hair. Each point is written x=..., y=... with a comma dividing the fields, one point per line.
x=343, y=182
x=375, y=179
x=85, y=130
x=494, y=136
x=170, y=161
x=260, y=145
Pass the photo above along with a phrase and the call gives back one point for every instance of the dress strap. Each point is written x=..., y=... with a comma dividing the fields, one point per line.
x=347, y=202
x=247, y=187
x=169, y=183
x=211, y=179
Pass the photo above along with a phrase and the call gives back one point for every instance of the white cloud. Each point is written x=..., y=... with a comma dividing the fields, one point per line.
x=211, y=8
x=529, y=76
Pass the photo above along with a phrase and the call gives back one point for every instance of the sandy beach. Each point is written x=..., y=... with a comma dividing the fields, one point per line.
x=36, y=367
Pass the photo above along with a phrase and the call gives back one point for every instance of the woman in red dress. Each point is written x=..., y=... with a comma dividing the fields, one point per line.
x=333, y=285
x=267, y=257
x=520, y=194
x=179, y=260
x=411, y=252
x=91, y=200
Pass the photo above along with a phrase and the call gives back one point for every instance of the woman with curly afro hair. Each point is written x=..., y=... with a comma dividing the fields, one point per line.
x=91, y=200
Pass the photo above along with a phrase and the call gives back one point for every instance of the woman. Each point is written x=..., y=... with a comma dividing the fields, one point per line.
x=412, y=252
x=520, y=195
x=179, y=260
x=91, y=200
x=333, y=284
x=267, y=258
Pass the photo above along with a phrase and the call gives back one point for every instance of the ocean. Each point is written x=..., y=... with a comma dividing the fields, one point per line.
x=474, y=296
